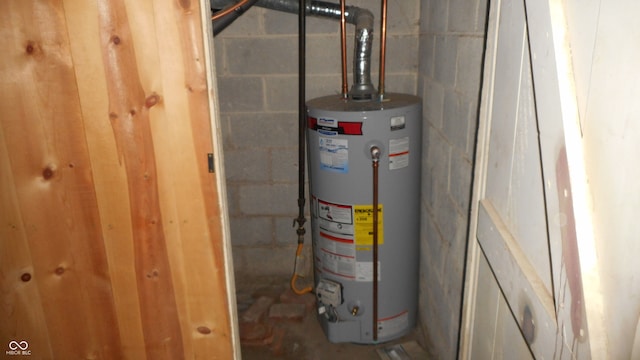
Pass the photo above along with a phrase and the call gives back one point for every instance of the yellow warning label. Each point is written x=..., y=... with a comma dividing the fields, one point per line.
x=363, y=224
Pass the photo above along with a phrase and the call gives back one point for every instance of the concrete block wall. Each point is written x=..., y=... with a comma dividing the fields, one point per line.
x=256, y=64
x=450, y=65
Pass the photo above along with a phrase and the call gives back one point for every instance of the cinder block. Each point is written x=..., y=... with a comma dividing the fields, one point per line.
x=240, y=93
x=323, y=85
x=401, y=57
x=439, y=311
x=247, y=165
x=249, y=231
x=268, y=199
x=249, y=24
x=276, y=261
x=402, y=54
x=457, y=250
x=264, y=130
x=454, y=269
x=403, y=16
x=446, y=219
x=225, y=125
x=462, y=15
x=426, y=130
x=286, y=231
x=276, y=22
x=426, y=55
x=401, y=83
x=434, y=103
x=469, y=66
x=456, y=123
x=282, y=92
x=262, y=55
x=238, y=259
x=284, y=165
x=319, y=25
x=433, y=249
x=460, y=183
x=323, y=55
x=445, y=59
x=439, y=153
x=219, y=57
x=232, y=199
x=437, y=16
x=481, y=16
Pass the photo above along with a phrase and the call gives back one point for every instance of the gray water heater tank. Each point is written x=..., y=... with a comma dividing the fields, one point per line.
x=341, y=134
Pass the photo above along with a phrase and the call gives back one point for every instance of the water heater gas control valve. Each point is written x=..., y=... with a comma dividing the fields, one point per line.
x=329, y=292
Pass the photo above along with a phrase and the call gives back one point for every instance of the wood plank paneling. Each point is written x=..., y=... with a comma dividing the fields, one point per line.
x=129, y=114
x=111, y=224
x=44, y=134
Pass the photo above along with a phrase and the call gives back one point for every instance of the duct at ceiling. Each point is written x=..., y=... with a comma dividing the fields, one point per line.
x=362, y=87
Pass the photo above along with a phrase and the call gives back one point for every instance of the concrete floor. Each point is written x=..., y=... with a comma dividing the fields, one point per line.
x=300, y=336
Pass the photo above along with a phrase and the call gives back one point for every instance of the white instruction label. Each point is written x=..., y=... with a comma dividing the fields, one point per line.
x=338, y=264
x=364, y=271
x=334, y=154
x=398, y=153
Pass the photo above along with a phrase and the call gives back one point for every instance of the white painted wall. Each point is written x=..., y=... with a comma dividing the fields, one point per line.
x=605, y=41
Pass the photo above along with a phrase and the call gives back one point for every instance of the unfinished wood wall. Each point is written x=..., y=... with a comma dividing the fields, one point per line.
x=110, y=222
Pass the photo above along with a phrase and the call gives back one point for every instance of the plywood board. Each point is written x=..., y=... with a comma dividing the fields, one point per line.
x=113, y=241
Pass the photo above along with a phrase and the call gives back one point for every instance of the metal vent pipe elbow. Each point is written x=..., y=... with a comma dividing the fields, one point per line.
x=362, y=88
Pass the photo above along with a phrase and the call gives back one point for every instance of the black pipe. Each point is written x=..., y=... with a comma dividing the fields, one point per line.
x=302, y=119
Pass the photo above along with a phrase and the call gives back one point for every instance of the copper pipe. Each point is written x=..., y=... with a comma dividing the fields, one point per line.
x=375, y=155
x=228, y=10
x=343, y=43
x=383, y=49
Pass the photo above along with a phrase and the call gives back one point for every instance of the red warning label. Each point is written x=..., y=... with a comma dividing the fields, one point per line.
x=336, y=127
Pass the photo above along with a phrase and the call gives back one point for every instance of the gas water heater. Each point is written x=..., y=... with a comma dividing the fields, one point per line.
x=347, y=140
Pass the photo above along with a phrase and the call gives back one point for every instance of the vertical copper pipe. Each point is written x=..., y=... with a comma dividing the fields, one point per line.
x=375, y=155
x=343, y=43
x=383, y=49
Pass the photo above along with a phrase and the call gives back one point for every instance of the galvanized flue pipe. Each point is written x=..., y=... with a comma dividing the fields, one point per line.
x=362, y=88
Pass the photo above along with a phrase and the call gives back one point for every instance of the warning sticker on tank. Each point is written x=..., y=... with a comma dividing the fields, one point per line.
x=335, y=218
x=393, y=324
x=342, y=246
x=334, y=154
x=334, y=127
x=338, y=255
x=363, y=224
x=364, y=271
x=398, y=153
